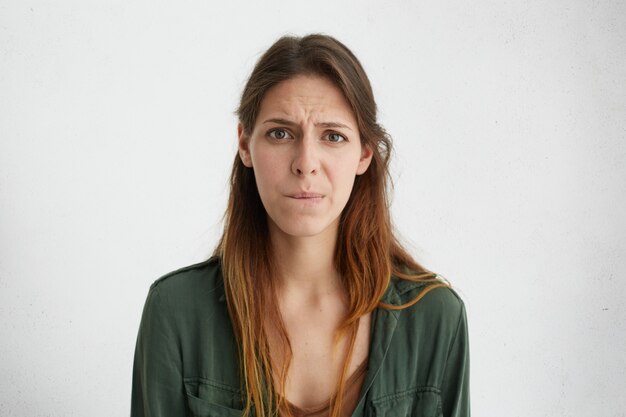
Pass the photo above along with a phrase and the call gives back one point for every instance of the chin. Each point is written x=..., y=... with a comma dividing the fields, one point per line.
x=303, y=228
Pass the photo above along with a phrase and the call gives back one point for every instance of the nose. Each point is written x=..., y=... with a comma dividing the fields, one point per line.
x=305, y=161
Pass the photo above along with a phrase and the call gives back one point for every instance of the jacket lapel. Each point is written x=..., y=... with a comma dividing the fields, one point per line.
x=384, y=324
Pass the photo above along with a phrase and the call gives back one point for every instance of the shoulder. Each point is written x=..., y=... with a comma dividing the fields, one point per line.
x=425, y=321
x=188, y=303
x=189, y=285
x=181, y=277
x=439, y=305
x=428, y=330
x=435, y=291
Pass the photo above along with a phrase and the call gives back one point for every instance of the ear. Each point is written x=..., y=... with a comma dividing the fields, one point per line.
x=366, y=158
x=244, y=146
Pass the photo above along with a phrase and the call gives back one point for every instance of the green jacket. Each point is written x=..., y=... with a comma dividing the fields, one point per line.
x=186, y=361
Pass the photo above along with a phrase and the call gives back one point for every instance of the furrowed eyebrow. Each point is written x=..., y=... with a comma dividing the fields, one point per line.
x=332, y=124
x=323, y=124
x=281, y=122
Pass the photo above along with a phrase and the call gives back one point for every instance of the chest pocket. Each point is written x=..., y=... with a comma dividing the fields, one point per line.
x=418, y=402
x=207, y=398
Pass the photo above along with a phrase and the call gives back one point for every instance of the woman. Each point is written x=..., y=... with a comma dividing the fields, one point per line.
x=309, y=306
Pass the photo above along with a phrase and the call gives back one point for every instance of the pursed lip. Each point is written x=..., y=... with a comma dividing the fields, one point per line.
x=307, y=195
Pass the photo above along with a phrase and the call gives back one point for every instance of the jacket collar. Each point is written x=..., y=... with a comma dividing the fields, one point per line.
x=384, y=323
x=397, y=288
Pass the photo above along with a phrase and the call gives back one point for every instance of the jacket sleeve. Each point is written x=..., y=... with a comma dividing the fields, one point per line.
x=157, y=388
x=455, y=385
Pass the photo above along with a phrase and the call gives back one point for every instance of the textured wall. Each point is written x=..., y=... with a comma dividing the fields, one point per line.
x=117, y=133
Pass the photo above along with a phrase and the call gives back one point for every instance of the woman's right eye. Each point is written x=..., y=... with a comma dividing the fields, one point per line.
x=278, y=134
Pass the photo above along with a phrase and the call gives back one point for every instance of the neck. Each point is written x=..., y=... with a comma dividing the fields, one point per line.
x=305, y=264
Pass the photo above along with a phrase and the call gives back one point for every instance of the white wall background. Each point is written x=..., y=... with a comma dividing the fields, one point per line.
x=117, y=133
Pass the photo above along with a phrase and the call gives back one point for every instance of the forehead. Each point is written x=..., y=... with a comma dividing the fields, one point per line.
x=306, y=96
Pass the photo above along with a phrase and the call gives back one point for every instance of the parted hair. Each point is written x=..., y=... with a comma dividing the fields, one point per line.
x=367, y=253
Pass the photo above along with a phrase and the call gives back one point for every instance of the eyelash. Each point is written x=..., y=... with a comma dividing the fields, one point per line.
x=271, y=132
x=343, y=138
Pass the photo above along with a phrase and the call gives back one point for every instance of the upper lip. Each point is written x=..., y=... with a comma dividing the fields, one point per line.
x=306, y=195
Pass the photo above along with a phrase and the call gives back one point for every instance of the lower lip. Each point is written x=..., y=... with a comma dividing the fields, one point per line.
x=308, y=200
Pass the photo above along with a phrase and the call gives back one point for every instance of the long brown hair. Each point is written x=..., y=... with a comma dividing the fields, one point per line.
x=367, y=251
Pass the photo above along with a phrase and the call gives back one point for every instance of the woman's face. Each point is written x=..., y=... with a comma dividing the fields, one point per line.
x=305, y=151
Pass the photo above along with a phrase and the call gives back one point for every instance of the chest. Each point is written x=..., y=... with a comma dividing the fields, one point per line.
x=317, y=361
x=399, y=379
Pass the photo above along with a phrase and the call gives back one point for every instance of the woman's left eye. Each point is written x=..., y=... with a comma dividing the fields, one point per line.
x=335, y=137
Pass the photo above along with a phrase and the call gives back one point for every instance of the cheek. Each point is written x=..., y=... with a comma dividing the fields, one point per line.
x=267, y=168
x=343, y=175
x=258, y=155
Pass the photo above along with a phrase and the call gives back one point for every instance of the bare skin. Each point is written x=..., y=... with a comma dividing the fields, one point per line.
x=306, y=152
x=312, y=308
